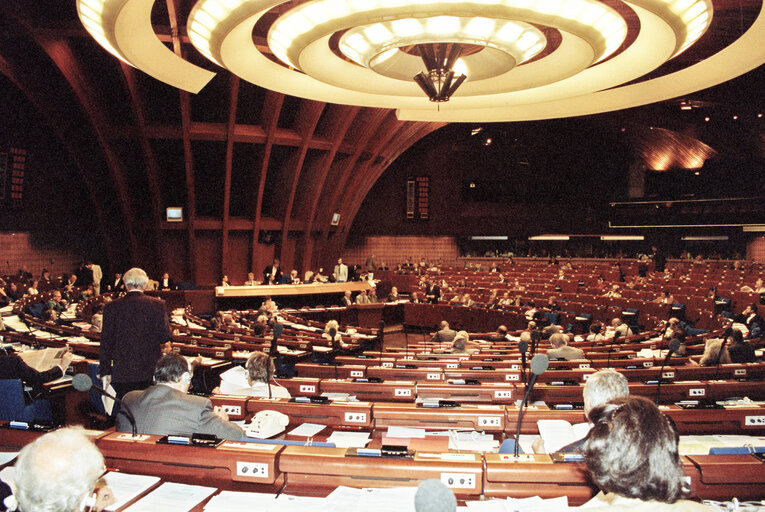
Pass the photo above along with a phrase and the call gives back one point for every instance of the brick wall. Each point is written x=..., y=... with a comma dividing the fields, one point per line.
x=395, y=249
x=17, y=250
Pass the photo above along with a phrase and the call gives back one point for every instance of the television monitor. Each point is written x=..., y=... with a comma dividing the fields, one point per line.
x=174, y=214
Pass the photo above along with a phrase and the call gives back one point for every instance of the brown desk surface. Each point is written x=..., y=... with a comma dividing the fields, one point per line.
x=290, y=289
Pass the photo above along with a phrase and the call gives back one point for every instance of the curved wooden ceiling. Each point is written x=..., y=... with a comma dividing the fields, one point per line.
x=241, y=160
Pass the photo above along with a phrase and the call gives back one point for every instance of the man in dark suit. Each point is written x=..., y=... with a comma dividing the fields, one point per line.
x=272, y=274
x=134, y=329
x=166, y=408
x=432, y=292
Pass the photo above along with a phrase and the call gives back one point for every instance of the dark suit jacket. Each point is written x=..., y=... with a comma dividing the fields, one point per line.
x=170, y=285
x=13, y=367
x=267, y=274
x=435, y=291
x=162, y=410
x=134, y=329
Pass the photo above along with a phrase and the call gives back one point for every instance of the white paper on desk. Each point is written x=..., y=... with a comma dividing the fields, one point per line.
x=537, y=504
x=287, y=503
x=6, y=457
x=8, y=475
x=349, y=439
x=126, y=487
x=344, y=498
x=400, y=499
x=231, y=501
x=306, y=430
x=488, y=506
x=558, y=433
x=406, y=432
x=172, y=496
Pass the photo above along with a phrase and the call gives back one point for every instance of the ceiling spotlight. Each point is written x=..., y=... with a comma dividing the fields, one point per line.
x=706, y=119
x=735, y=118
x=439, y=82
x=488, y=142
x=759, y=115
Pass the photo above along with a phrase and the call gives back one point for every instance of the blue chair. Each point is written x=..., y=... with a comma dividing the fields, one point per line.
x=13, y=407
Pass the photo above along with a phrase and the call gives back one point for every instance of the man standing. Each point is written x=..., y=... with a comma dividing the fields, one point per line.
x=432, y=292
x=272, y=274
x=341, y=271
x=166, y=408
x=98, y=275
x=134, y=330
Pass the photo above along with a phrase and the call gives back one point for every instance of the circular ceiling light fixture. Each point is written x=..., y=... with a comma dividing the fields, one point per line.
x=522, y=59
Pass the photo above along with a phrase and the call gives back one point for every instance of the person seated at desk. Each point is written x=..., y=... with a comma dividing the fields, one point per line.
x=224, y=281
x=57, y=303
x=393, y=295
x=595, y=332
x=665, y=298
x=752, y=321
x=500, y=335
x=602, y=387
x=166, y=408
x=741, y=351
x=251, y=280
x=561, y=350
x=712, y=354
x=632, y=455
x=252, y=380
x=61, y=472
x=362, y=298
x=621, y=328
x=13, y=367
x=166, y=283
x=444, y=333
x=460, y=343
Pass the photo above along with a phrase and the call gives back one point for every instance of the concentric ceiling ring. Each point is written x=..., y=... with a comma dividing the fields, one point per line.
x=585, y=73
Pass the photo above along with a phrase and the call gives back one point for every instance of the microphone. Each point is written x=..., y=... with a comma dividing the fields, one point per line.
x=611, y=348
x=674, y=345
x=536, y=336
x=381, y=335
x=433, y=496
x=82, y=382
x=539, y=364
x=335, y=347
x=278, y=329
x=523, y=347
x=728, y=333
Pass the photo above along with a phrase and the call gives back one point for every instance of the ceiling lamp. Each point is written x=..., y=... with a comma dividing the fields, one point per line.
x=439, y=58
x=123, y=28
x=523, y=59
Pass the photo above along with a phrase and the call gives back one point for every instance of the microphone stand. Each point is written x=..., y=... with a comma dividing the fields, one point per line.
x=539, y=365
x=611, y=348
x=673, y=347
x=86, y=384
x=719, y=354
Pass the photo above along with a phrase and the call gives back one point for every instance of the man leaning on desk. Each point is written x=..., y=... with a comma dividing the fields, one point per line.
x=166, y=408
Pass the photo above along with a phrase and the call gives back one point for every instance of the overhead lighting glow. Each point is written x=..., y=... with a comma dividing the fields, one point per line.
x=550, y=237
x=718, y=238
x=613, y=238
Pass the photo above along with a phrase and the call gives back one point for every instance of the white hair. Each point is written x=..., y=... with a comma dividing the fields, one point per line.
x=135, y=279
x=55, y=472
x=605, y=385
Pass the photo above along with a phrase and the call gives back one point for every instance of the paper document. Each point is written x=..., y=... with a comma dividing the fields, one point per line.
x=44, y=359
x=127, y=487
x=558, y=433
x=231, y=501
x=287, y=503
x=307, y=430
x=349, y=439
x=6, y=457
x=406, y=432
x=172, y=496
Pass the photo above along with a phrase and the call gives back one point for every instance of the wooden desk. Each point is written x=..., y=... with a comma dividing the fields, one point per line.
x=222, y=467
x=310, y=470
x=388, y=391
x=535, y=475
x=280, y=290
x=345, y=415
x=487, y=418
x=489, y=392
